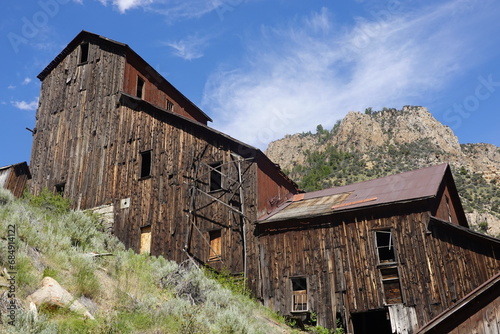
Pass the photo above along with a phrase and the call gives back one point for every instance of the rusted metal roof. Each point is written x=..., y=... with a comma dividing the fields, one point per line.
x=408, y=186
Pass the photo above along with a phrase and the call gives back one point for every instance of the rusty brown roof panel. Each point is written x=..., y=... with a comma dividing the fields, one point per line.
x=316, y=206
x=416, y=184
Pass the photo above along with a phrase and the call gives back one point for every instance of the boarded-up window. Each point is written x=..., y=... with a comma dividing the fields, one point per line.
x=299, y=294
x=84, y=53
x=392, y=287
x=215, y=245
x=215, y=177
x=385, y=246
x=140, y=87
x=145, y=239
x=145, y=164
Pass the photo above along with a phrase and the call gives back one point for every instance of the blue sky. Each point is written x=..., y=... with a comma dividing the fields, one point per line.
x=263, y=69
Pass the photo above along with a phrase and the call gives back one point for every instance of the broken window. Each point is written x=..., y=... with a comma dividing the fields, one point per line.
x=390, y=282
x=387, y=265
x=145, y=164
x=385, y=246
x=84, y=53
x=215, y=177
x=170, y=105
x=215, y=245
x=140, y=87
x=299, y=294
x=145, y=240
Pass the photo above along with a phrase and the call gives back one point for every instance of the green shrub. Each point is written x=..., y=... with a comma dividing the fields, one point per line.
x=6, y=196
x=84, y=277
x=49, y=201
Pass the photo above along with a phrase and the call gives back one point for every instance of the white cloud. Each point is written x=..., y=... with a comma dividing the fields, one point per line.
x=314, y=71
x=26, y=81
x=23, y=105
x=189, y=48
x=175, y=10
x=124, y=5
x=11, y=87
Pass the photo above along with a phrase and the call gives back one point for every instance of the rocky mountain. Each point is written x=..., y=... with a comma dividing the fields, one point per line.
x=378, y=143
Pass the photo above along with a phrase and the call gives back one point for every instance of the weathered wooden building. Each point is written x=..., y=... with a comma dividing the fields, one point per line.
x=113, y=134
x=390, y=253
x=15, y=177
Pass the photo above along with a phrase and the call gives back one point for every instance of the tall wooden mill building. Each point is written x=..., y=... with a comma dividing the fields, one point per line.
x=113, y=134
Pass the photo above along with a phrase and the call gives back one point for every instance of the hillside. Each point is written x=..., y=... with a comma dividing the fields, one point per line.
x=374, y=144
x=125, y=292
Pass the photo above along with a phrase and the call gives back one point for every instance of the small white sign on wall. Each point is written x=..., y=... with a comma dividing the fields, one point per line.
x=125, y=203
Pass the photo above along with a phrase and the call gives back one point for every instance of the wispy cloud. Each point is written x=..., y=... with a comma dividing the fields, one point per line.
x=23, y=105
x=26, y=81
x=189, y=48
x=11, y=87
x=313, y=71
x=173, y=9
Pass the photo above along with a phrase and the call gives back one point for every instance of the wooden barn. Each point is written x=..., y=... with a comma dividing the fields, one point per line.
x=391, y=253
x=15, y=177
x=112, y=134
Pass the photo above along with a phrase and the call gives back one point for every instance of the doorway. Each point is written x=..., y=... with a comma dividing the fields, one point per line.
x=367, y=322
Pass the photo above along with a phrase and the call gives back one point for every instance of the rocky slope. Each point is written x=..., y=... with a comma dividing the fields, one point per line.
x=374, y=144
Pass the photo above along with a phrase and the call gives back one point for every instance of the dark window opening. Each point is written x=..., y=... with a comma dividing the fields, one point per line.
x=371, y=322
x=145, y=164
x=140, y=87
x=170, y=105
x=215, y=245
x=299, y=294
x=60, y=188
x=385, y=246
x=84, y=53
x=215, y=177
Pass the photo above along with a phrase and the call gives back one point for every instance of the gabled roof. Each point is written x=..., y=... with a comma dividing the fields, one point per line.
x=399, y=188
x=83, y=35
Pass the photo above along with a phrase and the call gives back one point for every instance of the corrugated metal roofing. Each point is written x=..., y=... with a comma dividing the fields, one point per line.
x=416, y=184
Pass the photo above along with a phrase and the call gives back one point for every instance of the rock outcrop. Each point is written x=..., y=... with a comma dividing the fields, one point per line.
x=373, y=134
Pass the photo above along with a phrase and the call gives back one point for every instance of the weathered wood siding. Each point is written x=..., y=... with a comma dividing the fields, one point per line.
x=76, y=120
x=273, y=188
x=15, y=178
x=338, y=253
x=447, y=207
x=485, y=321
x=163, y=200
x=156, y=89
x=91, y=132
x=478, y=313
